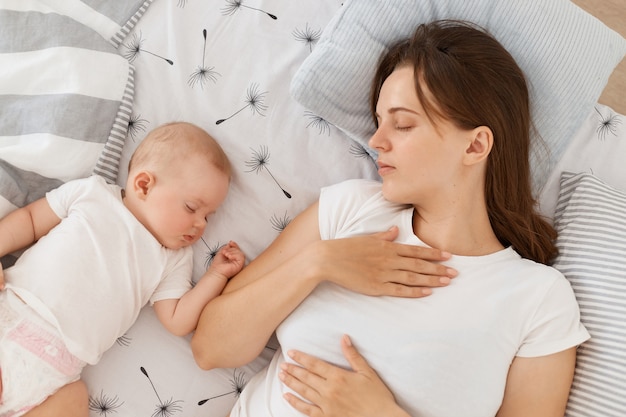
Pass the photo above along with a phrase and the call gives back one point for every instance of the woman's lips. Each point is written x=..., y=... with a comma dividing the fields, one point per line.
x=383, y=168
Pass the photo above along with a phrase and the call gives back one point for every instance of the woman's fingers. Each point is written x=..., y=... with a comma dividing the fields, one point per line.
x=376, y=265
x=316, y=368
x=356, y=361
x=300, y=381
x=304, y=407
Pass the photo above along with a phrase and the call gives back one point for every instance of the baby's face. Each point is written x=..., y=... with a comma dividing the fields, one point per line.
x=178, y=205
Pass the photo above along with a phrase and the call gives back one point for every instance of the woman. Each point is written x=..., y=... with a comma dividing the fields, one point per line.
x=452, y=111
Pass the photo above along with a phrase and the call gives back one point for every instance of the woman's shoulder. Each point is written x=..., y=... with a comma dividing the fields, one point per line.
x=538, y=274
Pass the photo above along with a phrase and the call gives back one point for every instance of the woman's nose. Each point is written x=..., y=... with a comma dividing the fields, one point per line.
x=378, y=141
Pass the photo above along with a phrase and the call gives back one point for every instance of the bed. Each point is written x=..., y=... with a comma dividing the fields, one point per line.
x=281, y=85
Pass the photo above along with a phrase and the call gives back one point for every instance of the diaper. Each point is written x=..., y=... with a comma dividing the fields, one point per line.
x=34, y=362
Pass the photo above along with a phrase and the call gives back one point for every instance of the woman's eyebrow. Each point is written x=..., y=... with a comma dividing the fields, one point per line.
x=393, y=110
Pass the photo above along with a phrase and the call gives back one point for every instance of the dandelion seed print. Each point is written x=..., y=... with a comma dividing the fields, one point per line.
x=133, y=49
x=308, y=36
x=254, y=101
x=182, y=3
x=259, y=163
x=104, y=405
x=322, y=125
x=607, y=125
x=163, y=409
x=279, y=224
x=123, y=340
x=202, y=74
x=135, y=125
x=238, y=382
x=360, y=152
x=232, y=6
x=211, y=252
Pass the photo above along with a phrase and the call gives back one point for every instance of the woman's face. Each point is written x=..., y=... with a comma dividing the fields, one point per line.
x=417, y=160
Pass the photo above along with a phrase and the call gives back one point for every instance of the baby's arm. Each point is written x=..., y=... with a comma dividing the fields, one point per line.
x=181, y=316
x=24, y=226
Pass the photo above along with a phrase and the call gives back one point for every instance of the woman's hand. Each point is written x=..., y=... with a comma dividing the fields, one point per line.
x=333, y=391
x=376, y=265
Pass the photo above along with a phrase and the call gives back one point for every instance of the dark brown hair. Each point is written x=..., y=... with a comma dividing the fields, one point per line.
x=476, y=82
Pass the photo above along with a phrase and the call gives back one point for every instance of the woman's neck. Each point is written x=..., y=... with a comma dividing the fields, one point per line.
x=466, y=234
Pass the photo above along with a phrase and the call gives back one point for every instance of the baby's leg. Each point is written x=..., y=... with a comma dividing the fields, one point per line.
x=70, y=401
x=34, y=362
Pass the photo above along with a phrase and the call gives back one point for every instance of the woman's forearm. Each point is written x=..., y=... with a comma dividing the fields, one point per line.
x=235, y=326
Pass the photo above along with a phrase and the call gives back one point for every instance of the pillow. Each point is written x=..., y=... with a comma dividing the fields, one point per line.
x=566, y=54
x=590, y=220
x=66, y=96
x=600, y=138
x=113, y=20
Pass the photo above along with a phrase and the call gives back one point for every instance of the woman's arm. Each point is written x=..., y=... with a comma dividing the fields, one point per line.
x=539, y=387
x=235, y=326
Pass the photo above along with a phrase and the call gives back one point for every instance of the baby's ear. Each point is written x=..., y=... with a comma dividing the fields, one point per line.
x=143, y=181
x=479, y=146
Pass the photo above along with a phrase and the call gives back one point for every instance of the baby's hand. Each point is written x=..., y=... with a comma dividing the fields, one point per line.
x=229, y=260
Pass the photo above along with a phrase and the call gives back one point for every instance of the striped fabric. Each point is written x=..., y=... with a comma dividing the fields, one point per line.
x=591, y=221
x=113, y=20
x=66, y=93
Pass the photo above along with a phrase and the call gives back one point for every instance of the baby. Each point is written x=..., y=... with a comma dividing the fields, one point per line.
x=100, y=254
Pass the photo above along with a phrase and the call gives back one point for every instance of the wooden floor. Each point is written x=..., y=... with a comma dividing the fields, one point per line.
x=613, y=14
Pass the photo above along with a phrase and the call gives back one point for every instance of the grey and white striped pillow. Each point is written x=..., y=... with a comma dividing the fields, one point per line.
x=590, y=218
x=65, y=93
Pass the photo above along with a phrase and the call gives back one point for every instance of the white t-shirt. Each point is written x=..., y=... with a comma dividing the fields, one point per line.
x=446, y=355
x=91, y=275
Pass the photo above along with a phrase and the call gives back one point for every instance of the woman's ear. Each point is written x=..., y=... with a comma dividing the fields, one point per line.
x=481, y=142
x=142, y=183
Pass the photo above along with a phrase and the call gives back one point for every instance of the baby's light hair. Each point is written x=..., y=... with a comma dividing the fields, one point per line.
x=174, y=142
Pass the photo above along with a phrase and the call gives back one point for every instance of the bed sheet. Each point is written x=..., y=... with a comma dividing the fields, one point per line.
x=224, y=65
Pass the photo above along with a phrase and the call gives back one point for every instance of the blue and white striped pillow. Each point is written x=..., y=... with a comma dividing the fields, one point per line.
x=590, y=218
